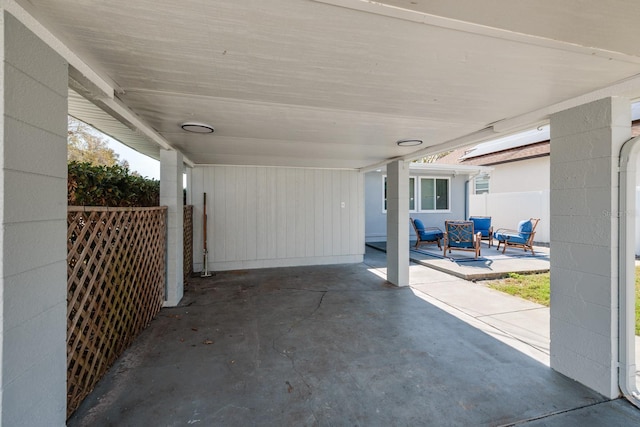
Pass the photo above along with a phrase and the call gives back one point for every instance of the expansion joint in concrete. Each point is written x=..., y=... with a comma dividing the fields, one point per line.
x=552, y=414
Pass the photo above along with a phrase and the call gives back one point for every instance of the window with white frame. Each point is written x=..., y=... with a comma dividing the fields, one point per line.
x=481, y=184
x=433, y=194
x=412, y=194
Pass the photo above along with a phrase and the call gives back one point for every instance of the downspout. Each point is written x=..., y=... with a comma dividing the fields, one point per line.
x=626, y=270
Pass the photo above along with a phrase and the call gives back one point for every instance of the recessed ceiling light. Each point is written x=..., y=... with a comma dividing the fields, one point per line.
x=197, y=127
x=409, y=142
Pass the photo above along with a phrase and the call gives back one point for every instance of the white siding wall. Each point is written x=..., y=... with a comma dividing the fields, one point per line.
x=271, y=217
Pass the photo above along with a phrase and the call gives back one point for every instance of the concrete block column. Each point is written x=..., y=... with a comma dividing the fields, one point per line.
x=33, y=207
x=585, y=144
x=397, y=223
x=171, y=196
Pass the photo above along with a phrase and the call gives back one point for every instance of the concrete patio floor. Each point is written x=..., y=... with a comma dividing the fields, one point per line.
x=338, y=345
x=491, y=265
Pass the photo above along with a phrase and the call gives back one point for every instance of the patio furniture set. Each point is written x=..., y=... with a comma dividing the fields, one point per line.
x=467, y=235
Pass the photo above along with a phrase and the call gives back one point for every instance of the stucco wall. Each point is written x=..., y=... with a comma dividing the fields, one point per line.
x=376, y=219
x=270, y=217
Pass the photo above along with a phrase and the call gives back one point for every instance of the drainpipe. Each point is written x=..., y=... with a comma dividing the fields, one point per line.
x=626, y=270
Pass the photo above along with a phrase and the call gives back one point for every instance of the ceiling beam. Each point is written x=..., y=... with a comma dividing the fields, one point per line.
x=477, y=29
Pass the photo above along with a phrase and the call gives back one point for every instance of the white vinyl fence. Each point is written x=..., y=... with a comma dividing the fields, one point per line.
x=507, y=209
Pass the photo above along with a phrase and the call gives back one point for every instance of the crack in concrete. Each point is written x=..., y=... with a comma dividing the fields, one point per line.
x=291, y=328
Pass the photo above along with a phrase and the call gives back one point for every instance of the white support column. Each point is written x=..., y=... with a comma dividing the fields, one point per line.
x=171, y=196
x=397, y=223
x=585, y=144
x=33, y=207
x=189, y=173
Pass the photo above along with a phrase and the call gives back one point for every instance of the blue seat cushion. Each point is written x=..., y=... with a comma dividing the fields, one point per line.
x=511, y=237
x=431, y=235
x=524, y=231
x=453, y=244
x=427, y=235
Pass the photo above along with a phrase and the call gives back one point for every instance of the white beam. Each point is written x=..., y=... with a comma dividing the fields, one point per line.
x=118, y=108
x=478, y=29
x=27, y=18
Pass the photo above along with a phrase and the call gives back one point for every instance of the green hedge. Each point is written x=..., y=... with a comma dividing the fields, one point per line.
x=91, y=185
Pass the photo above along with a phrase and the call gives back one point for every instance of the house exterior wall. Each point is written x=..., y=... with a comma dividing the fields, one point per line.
x=272, y=217
x=520, y=176
x=33, y=208
x=376, y=218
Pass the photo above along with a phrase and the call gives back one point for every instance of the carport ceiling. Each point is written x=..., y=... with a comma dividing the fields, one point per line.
x=335, y=83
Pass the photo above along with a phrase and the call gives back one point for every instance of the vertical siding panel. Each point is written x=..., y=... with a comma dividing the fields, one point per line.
x=249, y=240
x=261, y=213
x=327, y=223
x=219, y=213
x=345, y=222
x=353, y=212
x=306, y=236
x=272, y=200
x=302, y=213
x=290, y=209
x=281, y=213
x=241, y=212
x=335, y=211
x=229, y=225
x=318, y=206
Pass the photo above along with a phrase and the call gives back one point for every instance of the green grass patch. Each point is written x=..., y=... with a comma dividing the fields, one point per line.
x=535, y=287
x=532, y=287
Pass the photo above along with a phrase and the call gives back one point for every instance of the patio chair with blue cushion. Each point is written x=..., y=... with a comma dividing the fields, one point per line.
x=483, y=225
x=459, y=235
x=426, y=234
x=522, y=237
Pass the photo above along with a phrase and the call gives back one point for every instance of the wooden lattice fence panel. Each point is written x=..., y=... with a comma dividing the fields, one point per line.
x=188, y=242
x=115, y=283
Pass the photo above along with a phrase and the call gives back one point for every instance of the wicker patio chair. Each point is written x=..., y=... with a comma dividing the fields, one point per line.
x=459, y=235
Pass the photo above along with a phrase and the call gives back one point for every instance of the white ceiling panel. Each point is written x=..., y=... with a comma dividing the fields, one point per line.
x=307, y=83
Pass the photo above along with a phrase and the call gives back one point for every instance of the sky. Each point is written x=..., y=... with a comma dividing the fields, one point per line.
x=144, y=165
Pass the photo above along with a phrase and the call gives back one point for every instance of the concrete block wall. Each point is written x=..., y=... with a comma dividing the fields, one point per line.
x=33, y=176
x=585, y=143
x=171, y=196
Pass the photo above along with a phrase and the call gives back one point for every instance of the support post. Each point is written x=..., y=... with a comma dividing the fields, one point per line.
x=585, y=144
x=171, y=195
x=33, y=211
x=398, y=223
